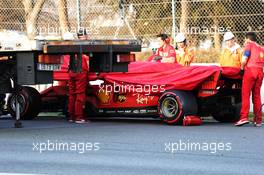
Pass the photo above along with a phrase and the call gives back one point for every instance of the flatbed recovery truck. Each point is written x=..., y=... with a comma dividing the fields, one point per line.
x=22, y=67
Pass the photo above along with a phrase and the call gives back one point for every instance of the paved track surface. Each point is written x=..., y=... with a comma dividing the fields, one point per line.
x=138, y=147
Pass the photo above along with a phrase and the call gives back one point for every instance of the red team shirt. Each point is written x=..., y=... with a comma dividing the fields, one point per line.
x=85, y=60
x=256, y=57
x=167, y=51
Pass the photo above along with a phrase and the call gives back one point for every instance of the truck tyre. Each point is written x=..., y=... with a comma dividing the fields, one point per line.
x=173, y=105
x=30, y=103
x=232, y=115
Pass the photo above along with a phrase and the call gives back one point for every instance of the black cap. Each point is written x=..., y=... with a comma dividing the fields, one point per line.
x=82, y=32
x=251, y=36
x=163, y=36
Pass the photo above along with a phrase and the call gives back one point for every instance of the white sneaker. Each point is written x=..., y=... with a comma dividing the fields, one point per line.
x=81, y=121
x=241, y=122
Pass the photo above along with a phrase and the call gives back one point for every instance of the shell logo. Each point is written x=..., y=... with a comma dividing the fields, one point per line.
x=104, y=96
x=261, y=55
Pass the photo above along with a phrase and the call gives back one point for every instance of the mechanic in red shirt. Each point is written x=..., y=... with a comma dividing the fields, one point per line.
x=252, y=66
x=166, y=53
x=77, y=87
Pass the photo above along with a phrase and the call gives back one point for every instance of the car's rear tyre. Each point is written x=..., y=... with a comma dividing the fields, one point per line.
x=174, y=105
x=232, y=114
x=30, y=103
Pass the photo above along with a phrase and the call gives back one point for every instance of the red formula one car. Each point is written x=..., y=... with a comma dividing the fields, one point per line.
x=167, y=91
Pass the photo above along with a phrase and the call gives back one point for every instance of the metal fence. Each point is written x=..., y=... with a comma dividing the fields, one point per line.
x=203, y=21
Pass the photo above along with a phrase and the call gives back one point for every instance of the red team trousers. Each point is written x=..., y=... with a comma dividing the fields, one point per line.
x=77, y=88
x=252, y=82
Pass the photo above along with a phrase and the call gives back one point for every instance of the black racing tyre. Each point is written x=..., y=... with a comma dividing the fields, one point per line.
x=30, y=103
x=90, y=111
x=174, y=105
x=65, y=106
x=231, y=115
